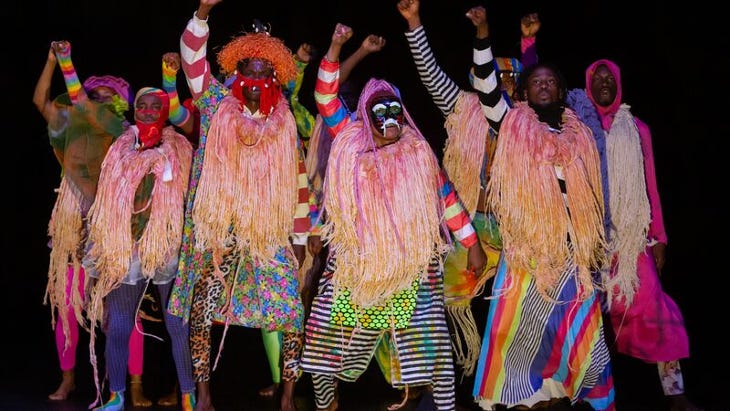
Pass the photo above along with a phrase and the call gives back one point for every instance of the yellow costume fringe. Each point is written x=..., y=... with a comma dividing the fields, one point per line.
x=465, y=149
x=534, y=219
x=248, y=183
x=381, y=253
x=629, y=205
x=65, y=229
x=110, y=216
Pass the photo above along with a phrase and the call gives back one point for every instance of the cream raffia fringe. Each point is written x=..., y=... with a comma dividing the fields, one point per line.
x=65, y=229
x=466, y=341
x=110, y=232
x=525, y=196
x=383, y=213
x=467, y=130
x=629, y=205
x=248, y=183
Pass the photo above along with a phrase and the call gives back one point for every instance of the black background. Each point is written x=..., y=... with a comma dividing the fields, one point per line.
x=674, y=64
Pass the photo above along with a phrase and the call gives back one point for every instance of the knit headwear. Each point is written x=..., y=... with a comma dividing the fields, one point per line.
x=605, y=113
x=118, y=84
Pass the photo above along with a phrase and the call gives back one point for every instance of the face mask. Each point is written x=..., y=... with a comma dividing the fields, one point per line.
x=387, y=112
x=269, y=96
x=118, y=106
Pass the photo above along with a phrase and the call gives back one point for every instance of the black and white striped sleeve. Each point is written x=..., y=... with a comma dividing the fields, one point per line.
x=494, y=105
x=444, y=91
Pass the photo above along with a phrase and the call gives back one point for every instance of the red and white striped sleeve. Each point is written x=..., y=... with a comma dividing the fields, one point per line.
x=193, y=53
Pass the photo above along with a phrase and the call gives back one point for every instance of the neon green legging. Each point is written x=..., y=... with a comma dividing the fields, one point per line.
x=272, y=345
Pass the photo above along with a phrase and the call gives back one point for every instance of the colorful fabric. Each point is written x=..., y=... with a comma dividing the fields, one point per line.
x=534, y=221
x=396, y=312
x=418, y=355
x=179, y=114
x=73, y=84
x=113, y=251
x=80, y=140
x=461, y=286
x=193, y=258
x=535, y=348
x=302, y=116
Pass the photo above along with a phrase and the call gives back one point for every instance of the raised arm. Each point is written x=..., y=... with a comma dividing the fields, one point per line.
x=443, y=90
x=529, y=26
x=194, y=49
x=371, y=44
x=326, y=89
x=42, y=93
x=304, y=119
x=73, y=85
x=486, y=82
x=179, y=115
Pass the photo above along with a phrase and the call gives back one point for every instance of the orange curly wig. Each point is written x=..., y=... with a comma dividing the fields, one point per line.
x=259, y=45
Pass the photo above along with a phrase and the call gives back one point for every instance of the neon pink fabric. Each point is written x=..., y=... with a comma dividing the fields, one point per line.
x=652, y=329
x=67, y=357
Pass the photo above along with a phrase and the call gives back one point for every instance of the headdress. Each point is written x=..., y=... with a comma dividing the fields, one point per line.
x=118, y=84
x=259, y=43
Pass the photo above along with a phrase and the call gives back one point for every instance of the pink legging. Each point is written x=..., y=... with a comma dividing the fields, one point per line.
x=67, y=357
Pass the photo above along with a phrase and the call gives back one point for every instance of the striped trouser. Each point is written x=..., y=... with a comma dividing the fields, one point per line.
x=422, y=352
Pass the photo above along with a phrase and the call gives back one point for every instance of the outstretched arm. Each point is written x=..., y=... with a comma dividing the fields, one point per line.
x=179, y=115
x=63, y=53
x=443, y=90
x=42, y=93
x=486, y=82
x=304, y=119
x=529, y=26
x=371, y=44
x=326, y=89
x=194, y=49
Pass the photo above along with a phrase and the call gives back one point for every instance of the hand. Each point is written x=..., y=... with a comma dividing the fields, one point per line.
x=341, y=35
x=372, y=43
x=476, y=259
x=171, y=60
x=530, y=25
x=204, y=8
x=660, y=253
x=478, y=17
x=61, y=48
x=314, y=245
x=409, y=9
x=300, y=253
x=304, y=53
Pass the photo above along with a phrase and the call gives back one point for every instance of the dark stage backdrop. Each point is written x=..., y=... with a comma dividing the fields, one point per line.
x=669, y=59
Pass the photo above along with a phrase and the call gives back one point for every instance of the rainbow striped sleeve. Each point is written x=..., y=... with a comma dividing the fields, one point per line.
x=178, y=113
x=73, y=84
x=457, y=219
x=334, y=113
x=193, y=53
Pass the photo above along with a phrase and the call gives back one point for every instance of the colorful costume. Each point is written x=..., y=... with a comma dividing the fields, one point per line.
x=383, y=280
x=647, y=323
x=237, y=265
x=155, y=163
x=544, y=335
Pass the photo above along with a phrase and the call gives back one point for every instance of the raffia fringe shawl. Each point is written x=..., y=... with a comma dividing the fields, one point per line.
x=525, y=196
x=248, y=183
x=629, y=204
x=65, y=229
x=110, y=232
x=465, y=148
x=383, y=213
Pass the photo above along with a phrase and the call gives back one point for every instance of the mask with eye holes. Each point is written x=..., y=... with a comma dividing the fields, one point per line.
x=387, y=111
